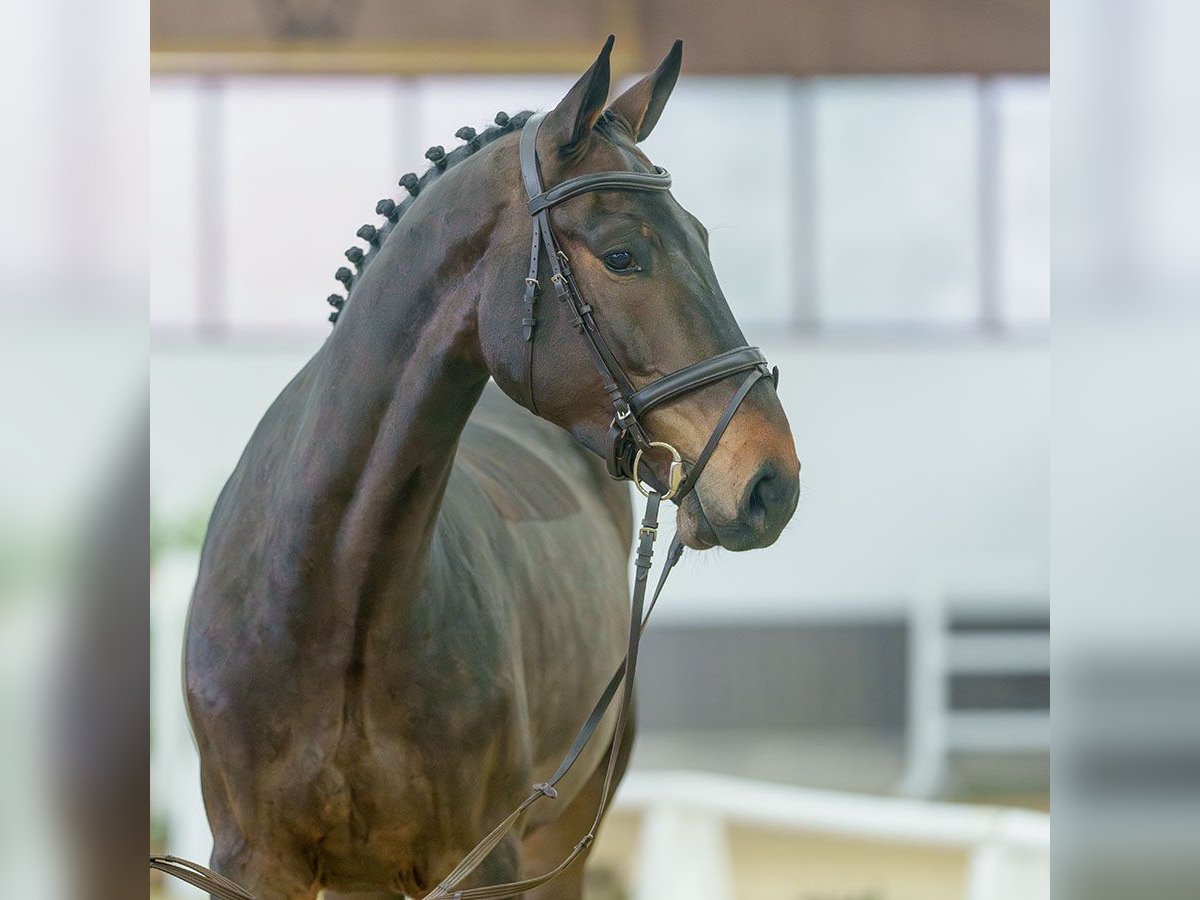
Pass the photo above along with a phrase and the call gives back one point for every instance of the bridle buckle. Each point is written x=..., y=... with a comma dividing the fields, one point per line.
x=675, y=473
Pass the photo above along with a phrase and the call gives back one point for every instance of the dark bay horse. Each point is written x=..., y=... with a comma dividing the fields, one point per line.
x=412, y=588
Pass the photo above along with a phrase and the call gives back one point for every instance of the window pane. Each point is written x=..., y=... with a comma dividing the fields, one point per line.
x=749, y=221
x=726, y=143
x=448, y=103
x=305, y=160
x=897, y=230
x=1023, y=234
x=174, y=208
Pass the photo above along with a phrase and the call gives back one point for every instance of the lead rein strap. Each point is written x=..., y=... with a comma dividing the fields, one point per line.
x=199, y=876
x=639, y=616
x=625, y=672
x=224, y=889
x=529, y=320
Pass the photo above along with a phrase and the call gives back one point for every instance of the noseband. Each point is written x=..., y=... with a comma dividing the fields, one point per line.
x=628, y=439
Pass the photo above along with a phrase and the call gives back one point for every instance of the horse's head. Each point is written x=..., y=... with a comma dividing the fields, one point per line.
x=641, y=262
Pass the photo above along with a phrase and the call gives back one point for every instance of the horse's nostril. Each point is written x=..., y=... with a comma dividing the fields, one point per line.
x=759, y=498
x=767, y=502
x=770, y=496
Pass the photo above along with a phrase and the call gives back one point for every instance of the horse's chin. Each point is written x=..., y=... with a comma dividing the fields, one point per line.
x=693, y=526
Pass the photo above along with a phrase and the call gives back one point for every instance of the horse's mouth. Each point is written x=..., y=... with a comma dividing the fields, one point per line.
x=694, y=528
x=699, y=531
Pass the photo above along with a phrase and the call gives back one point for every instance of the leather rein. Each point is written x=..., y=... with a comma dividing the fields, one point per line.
x=628, y=441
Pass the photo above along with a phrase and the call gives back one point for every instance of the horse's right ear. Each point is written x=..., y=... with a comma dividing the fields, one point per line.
x=573, y=119
x=642, y=104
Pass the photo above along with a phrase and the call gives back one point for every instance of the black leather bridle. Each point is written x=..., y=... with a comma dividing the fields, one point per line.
x=628, y=440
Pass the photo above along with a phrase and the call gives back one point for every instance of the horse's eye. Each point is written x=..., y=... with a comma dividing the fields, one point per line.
x=621, y=261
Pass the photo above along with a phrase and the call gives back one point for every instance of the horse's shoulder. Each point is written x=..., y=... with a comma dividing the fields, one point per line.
x=532, y=470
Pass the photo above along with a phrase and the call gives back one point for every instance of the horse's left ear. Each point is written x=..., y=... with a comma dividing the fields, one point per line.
x=571, y=121
x=642, y=104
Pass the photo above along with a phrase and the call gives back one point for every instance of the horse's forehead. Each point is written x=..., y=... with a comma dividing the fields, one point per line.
x=626, y=156
x=623, y=152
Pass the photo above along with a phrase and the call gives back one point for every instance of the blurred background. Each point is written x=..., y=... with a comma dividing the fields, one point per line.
x=890, y=254
x=918, y=543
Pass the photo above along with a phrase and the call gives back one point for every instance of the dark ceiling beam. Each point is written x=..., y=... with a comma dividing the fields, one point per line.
x=751, y=37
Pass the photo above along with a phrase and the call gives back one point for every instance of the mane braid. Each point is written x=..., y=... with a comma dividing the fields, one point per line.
x=392, y=211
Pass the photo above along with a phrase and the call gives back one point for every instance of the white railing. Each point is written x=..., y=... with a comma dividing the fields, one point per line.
x=685, y=818
x=936, y=654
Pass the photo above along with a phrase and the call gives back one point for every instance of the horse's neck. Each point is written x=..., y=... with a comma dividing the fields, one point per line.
x=388, y=398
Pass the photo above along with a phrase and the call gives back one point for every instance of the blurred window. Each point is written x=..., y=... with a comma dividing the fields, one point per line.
x=175, y=149
x=896, y=218
x=1022, y=110
x=726, y=143
x=446, y=103
x=304, y=161
x=880, y=203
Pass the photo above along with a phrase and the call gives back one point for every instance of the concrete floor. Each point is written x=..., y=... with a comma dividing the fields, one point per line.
x=855, y=760
x=846, y=760
x=773, y=866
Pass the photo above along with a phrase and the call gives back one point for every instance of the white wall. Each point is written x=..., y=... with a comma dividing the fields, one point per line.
x=922, y=460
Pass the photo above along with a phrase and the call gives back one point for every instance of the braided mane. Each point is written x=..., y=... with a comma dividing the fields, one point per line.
x=391, y=211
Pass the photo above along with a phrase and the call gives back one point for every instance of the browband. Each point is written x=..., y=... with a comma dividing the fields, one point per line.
x=658, y=180
x=539, y=200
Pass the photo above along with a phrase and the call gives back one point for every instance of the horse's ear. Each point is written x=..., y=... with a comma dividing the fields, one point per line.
x=642, y=104
x=572, y=120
